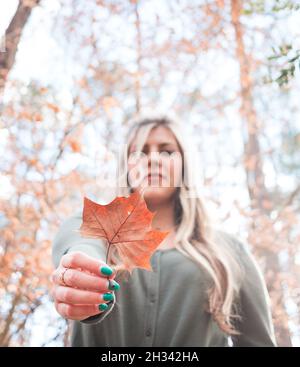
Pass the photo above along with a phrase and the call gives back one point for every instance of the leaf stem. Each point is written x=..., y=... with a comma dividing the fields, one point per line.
x=109, y=244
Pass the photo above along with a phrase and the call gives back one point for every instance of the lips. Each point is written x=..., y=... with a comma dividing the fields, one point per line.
x=154, y=175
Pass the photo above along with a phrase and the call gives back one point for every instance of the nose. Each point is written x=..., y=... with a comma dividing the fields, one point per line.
x=154, y=160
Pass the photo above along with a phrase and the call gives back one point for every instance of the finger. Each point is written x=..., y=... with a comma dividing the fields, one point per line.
x=80, y=260
x=75, y=312
x=102, y=275
x=56, y=275
x=81, y=297
x=82, y=280
x=78, y=279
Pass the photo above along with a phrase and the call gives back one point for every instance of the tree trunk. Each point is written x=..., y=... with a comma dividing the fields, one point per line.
x=13, y=36
x=253, y=162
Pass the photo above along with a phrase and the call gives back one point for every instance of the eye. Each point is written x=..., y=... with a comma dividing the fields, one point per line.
x=144, y=150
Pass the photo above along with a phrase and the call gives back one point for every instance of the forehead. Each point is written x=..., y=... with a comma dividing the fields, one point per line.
x=160, y=135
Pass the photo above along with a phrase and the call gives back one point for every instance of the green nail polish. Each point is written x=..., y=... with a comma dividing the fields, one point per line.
x=113, y=285
x=103, y=307
x=108, y=296
x=106, y=270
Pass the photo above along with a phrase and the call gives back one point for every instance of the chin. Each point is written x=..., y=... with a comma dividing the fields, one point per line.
x=158, y=194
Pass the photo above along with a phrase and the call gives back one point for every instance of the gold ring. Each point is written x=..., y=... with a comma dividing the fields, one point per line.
x=62, y=274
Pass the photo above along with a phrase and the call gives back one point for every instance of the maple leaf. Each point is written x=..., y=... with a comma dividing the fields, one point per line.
x=125, y=223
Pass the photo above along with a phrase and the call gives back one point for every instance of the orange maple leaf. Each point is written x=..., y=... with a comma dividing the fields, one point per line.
x=125, y=223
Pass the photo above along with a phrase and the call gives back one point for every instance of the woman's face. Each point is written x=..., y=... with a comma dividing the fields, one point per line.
x=158, y=170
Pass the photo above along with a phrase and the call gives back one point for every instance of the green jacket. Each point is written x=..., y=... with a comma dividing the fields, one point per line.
x=166, y=307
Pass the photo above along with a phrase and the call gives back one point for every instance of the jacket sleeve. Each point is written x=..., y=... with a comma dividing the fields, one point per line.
x=256, y=325
x=66, y=240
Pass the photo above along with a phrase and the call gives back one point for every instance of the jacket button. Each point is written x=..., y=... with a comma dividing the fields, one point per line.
x=152, y=298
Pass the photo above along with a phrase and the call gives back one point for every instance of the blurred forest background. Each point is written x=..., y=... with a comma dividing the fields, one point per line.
x=71, y=75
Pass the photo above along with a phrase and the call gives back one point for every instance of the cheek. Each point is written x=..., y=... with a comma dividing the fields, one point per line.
x=176, y=169
x=137, y=169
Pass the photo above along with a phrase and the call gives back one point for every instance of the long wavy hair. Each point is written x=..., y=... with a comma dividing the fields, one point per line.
x=197, y=236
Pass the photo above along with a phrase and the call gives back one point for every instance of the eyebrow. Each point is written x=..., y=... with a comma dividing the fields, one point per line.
x=160, y=145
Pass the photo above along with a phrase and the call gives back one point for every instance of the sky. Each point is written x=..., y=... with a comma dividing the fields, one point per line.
x=7, y=9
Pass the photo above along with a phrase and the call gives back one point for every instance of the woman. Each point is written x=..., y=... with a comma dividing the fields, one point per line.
x=205, y=288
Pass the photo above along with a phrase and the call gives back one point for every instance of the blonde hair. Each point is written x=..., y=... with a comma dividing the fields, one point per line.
x=195, y=235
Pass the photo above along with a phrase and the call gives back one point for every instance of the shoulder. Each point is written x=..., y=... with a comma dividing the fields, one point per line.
x=241, y=251
x=68, y=226
x=234, y=242
x=249, y=263
x=72, y=220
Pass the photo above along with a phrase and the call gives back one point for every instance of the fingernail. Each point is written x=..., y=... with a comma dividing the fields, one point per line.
x=103, y=307
x=113, y=285
x=108, y=296
x=106, y=270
